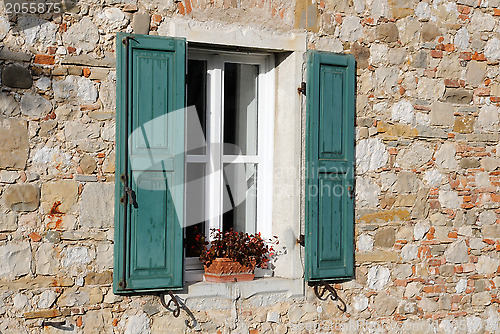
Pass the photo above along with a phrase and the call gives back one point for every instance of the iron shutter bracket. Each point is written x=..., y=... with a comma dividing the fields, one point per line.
x=333, y=294
x=177, y=311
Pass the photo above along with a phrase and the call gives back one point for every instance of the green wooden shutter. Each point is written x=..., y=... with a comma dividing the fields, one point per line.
x=330, y=166
x=148, y=241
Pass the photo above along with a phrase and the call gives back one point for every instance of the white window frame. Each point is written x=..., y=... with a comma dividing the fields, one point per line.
x=213, y=158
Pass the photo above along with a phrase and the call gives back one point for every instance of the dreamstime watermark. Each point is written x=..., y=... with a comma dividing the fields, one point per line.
x=26, y=14
x=367, y=326
x=155, y=153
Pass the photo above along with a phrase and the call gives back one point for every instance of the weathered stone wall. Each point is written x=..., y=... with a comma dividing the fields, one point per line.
x=427, y=234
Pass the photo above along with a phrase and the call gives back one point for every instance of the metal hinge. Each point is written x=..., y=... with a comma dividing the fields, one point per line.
x=302, y=88
x=301, y=240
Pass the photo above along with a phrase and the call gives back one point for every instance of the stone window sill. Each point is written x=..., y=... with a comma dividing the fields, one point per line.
x=259, y=292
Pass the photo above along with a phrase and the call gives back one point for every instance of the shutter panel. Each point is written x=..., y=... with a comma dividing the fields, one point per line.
x=148, y=238
x=330, y=166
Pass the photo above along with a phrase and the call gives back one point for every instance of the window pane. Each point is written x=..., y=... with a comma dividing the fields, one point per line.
x=240, y=108
x=240, y=197
x=195, y=206
x=196, y=92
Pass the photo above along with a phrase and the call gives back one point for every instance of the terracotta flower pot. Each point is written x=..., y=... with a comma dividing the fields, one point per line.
x=224, y=270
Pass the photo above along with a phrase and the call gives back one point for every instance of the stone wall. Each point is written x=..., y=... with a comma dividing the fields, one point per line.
x=427, y=235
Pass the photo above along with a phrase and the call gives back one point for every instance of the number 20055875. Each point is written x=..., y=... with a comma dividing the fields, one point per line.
x=21, y=7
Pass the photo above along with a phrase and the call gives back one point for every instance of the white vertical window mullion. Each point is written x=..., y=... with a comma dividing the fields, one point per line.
x=215, y=179
x=266, y=146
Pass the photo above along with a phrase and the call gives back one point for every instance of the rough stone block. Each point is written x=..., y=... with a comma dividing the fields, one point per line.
x=97, y=205
x=35, y=106
x=17, y=76
x=469, y=163
x=442, y=114
x=361, y=54
x=388, y=32
x=7, y=176
x=457, y=253
x=140, y=23
x=476, y=71
x=385, y=237
x=99, y=278
x=464, y=124
x=458, y=96
x=83, y=34
x=6, y=54
x=22, y=197
x=384, y=304
x=14, y=148
x=407, y=183
x=47, y=259
x=8, y=222
x=15, y=260
x=59, y=196
x=419, y=59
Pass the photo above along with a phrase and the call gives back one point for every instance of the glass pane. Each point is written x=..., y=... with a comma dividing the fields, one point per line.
x=196, y=92
x=240, y=197
x=195, y=207
x=240, y=109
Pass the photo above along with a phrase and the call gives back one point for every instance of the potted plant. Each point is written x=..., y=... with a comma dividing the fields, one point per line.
x=232, y=256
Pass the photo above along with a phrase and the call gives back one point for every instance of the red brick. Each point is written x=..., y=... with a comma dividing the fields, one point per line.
x=463, y=17
x=465, y=55
x=35, y=237
x=156, y=18
x=180, y=7
x=44, y=59
x=51, y=50
x=453, y=235
x=436, y=54
x=496, y=12
x=463, y=9
x=63, y=27
x=449, y=47
x=478, y=56
x=189, y=8
x=400, y=282
x=86, y=72
x=434, y=204
x=71, y=49
x=451, y=83
x=369, y=21
x=482, y=91
x=487, y=82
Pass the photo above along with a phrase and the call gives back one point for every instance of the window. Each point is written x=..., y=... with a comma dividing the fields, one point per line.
x=211, y=164
x=229, y=145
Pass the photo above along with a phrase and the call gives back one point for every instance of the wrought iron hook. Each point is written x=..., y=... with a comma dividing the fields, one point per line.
x=333, y=294
x=177, y=311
